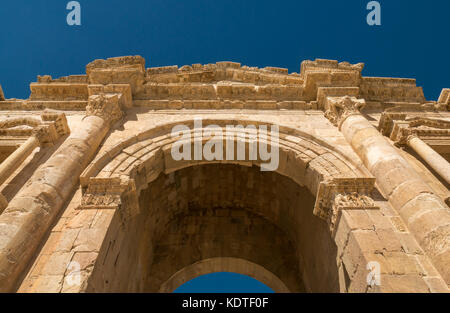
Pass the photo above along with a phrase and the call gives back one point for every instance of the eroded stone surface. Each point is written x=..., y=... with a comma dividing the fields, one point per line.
x=123, y=215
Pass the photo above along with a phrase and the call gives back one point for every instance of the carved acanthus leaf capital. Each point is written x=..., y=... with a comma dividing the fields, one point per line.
x=337, y=109
x=46, y=134
x=105, y=106
x=343, y=194
x=111, y=193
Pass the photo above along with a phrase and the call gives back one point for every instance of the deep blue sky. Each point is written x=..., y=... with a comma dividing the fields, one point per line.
x=223, y=283
x=412, y=41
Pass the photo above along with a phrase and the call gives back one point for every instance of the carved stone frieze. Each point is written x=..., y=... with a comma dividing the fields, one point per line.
x=420, y=127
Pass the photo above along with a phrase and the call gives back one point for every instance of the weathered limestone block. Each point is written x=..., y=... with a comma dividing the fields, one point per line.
x=122, y=70
x=391, y=89
x=58, y=91
x=137, y=62
x=445, y=96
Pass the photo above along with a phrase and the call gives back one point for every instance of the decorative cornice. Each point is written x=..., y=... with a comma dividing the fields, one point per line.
x=402, y=131
x=58, y=119
x=111, y=193
x=387, y=119
x=343, y=194
x=337, y=109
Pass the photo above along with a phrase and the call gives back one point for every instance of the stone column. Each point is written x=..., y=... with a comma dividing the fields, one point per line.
x=43, y=135
x=30, y=214
x=12, y=162
x=433, y=159
x=426, y=215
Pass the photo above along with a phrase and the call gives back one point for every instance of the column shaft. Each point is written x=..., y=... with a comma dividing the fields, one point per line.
x=433, y=159
x=426, y=215
x=29, y=215
x=12, y=162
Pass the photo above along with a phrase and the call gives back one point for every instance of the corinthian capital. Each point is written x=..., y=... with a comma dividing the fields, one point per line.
x=343, y=194
x=45, y=134
x=337, y=109
x=106, y=106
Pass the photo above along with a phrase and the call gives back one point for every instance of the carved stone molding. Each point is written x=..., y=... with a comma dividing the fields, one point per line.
x=46, y=134
x=58, y=119
x=105, y=106
x=47, y=130
x=337, y=109
x=387, y=119
x=402, y=131
x=343, y=194
x=111, y=193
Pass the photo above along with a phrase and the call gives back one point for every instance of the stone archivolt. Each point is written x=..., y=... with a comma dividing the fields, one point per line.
x=115, y=201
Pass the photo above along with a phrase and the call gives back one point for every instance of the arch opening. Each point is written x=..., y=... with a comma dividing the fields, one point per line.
x=221, y=212
x=223, y=282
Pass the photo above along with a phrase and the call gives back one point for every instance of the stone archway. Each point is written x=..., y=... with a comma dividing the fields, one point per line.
x=232, y=265
x=139, y=177
x=220, y=210
x=120, y=237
